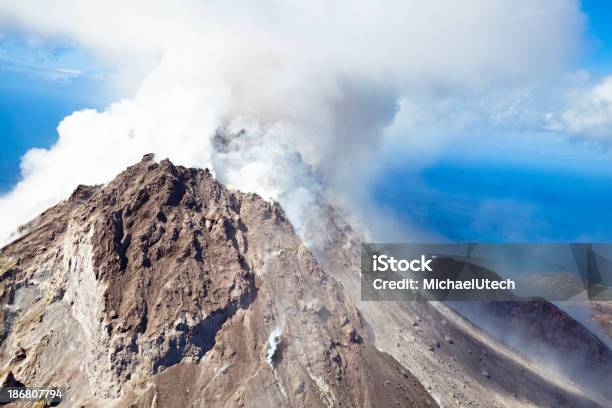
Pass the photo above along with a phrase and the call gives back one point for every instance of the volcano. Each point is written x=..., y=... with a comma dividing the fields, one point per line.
x=164, y=288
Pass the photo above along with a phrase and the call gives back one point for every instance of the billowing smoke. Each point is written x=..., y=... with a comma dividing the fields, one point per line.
x=273, y=342
x=309, y=87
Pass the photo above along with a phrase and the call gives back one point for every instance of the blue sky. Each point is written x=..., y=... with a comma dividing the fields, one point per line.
x=599, y=13
x=30, y=109
x=36, y=93
x=517, y=190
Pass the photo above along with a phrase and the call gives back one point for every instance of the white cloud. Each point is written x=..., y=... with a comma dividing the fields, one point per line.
x=590, y=112
x=314, y=82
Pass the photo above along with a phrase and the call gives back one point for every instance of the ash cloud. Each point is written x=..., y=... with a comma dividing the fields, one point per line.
x=313, y=86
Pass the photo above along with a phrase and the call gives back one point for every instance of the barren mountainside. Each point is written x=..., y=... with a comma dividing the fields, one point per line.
x=455, y=357
x=165, y=289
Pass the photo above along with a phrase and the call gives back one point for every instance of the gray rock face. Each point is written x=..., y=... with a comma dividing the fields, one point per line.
x=164, y=288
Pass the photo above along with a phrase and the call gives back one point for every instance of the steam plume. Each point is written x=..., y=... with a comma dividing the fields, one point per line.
x=312, y=85
x=273, y=341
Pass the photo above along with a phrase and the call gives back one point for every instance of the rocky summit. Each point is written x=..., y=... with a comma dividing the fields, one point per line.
x=163, y=288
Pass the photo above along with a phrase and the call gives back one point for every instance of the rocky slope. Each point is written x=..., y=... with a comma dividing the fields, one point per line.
x=458, y=361
x=544, y=323
x=601, y=313
x=165, y=289
x=550, y=337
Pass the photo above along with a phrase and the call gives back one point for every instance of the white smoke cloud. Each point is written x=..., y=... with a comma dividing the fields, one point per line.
x=273, y=341
x=590, y=114
x=314, y=83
